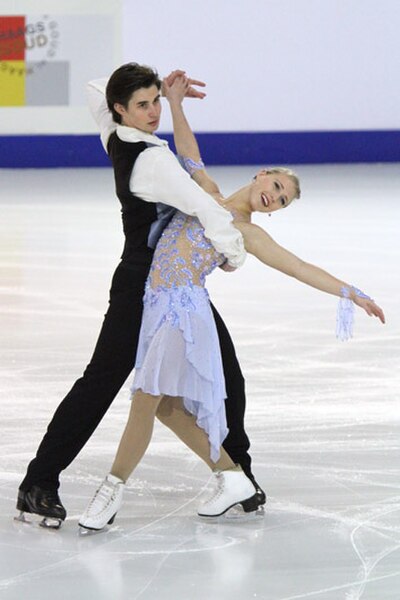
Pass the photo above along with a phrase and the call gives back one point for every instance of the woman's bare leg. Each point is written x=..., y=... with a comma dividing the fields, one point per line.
x=171, y=412
x=107, y=501
x=137, y=434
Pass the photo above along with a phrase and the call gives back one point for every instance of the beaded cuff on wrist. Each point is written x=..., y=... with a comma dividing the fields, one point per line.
x=345, y=312
x=192, y=166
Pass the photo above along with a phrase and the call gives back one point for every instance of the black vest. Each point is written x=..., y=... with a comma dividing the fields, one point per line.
x=137, y=215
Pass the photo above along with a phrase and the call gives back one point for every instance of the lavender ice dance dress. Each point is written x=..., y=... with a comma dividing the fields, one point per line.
x=178, y=352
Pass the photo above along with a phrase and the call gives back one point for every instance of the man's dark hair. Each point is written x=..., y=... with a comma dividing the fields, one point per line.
x=125, y=81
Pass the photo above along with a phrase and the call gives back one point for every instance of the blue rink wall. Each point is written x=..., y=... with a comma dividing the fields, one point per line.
x=237, y=148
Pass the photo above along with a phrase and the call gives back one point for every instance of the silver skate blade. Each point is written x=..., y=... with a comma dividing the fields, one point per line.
x=37, y=520
x=236, y=513
x=22, y=519
x=85, y=532
x=50, y=523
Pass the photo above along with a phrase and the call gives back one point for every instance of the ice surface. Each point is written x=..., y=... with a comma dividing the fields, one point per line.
x=323, y=416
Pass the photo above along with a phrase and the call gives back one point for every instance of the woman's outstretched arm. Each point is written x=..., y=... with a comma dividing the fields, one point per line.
x=260, y=244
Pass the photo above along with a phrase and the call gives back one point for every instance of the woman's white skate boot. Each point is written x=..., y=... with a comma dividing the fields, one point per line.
x=104, y=505
x=233, y=487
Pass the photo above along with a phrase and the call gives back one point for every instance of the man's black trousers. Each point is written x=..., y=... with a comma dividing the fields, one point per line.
x=82, y=409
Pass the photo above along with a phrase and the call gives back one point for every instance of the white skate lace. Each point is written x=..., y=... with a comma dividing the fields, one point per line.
x=103, y=497
x=220, y=488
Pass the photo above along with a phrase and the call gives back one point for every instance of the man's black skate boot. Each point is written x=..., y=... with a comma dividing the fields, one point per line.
x=45, y=503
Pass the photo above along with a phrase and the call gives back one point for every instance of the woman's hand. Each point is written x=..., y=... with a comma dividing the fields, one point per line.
x=190, y=92
x=372, y=309
x=177, y=90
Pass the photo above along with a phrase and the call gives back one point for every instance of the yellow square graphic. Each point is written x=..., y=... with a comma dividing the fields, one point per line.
x=12, y=83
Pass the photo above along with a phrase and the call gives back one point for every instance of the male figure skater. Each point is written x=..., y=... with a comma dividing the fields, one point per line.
x=149, y=181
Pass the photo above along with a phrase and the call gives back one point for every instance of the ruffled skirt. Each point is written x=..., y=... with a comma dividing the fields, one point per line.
x=179, y=355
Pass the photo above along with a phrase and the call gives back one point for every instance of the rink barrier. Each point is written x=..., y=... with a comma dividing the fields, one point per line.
x=227, y=148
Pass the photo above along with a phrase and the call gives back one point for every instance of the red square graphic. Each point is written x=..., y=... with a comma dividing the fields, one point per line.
x=12, y=38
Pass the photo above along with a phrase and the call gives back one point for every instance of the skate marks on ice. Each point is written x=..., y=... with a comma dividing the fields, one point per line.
x=292, y=535
x=148, y=547
x=323, y=416
x=342, y=472
x=372, y=540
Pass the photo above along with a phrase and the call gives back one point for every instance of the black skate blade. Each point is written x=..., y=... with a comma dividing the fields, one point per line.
x=38, y=520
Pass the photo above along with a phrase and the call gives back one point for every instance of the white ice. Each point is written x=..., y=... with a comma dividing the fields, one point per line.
x=323, y=416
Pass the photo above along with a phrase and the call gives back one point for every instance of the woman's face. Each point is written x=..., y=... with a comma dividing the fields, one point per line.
x=271, y=191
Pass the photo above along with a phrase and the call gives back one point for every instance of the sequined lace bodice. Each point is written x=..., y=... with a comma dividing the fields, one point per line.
x=183, y=256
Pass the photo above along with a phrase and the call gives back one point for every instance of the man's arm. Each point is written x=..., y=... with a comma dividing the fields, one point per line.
x=95, y=91
x=158, y=177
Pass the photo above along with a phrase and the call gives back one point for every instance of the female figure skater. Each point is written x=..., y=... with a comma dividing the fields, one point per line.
x=179, y=376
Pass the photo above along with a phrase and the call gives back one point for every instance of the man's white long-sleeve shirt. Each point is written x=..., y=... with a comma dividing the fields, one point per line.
x=158, y=177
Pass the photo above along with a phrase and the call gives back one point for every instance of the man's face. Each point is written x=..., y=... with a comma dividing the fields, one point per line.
x=143, y=111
